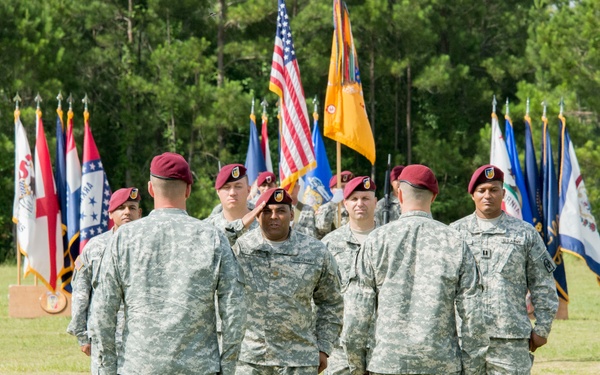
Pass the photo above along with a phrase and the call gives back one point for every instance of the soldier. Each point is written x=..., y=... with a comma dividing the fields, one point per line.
x=167, y=268
x=264, y=181
x=344, y=243
x=304, y=215
x=285, y=272
x=394, y=204
x=123, y=207
x=414, y=277
x=235, y=218
x=512, y=258
x=326, y=217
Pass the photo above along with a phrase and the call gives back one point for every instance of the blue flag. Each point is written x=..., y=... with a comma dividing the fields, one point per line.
x=578, y=232
x=316, y=190
x=532, y=179
x=60, y=177
x=550, y=209
x=515, y=165
x=255, y=159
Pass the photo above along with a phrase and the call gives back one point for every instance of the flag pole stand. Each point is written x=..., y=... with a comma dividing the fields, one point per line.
x=563, y=310
x=36, y=301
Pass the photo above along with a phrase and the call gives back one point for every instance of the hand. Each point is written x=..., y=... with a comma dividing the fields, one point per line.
x=87, y=349
x=322, y=362
x=250, y=216
x=535, y=341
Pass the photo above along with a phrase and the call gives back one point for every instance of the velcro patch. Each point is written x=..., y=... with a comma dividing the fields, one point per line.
x=78, y=263
x=550, y=266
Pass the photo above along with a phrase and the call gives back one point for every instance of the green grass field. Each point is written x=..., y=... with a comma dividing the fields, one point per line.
x=42, y=346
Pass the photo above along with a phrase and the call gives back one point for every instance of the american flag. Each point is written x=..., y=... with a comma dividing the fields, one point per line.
x=297, y=154
x=95, y=191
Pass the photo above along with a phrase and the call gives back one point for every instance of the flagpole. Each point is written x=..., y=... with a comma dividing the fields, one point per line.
x=338, y=147
x=17, y=99
x=38, y=111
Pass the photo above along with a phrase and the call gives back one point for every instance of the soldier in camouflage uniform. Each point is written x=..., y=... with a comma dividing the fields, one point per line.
x=344, y=243
x=304, y=215
x=236, y=218
x=265, y=181
x=123, y=207
x=285, y=272
x=326, y=217
x=414, y=277
x=167, y=268
x=512, y=259
x=394, y=208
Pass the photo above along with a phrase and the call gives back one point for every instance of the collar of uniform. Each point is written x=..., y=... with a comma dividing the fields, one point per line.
x=498, y=229
x=415, y=213
x=168, y=211
x=288, y=247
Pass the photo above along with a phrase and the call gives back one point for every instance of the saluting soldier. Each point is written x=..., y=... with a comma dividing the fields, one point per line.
x=326, y=217
x=344, y=243
x=394, y=204
x=286, y=271
x=166, y=268
x=513, y=259
x=236, y=218
x=414, y=277
x=123, y=207
x=265, y=181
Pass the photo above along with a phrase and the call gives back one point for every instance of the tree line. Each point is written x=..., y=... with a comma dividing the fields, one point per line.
x=180, y=76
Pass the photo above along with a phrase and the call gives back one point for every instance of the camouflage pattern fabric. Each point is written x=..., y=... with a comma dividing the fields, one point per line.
x=344, y=248
x=304, y=220
x=281, y=283
x=166, y=268
x=232, y=229
x=244, y=368
x=326, y=218
x=512, y=258
x=400, y=315
x=394, y=208
x=509, y=356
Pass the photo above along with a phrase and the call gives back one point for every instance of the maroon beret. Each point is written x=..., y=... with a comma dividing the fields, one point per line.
x=265, y=178
x=345, y=176
x=123, y=195
x=275, y=196
x=361, y=183
x=395, y=172
x=229, y=173
x=485, y=173
x=419, y=176
x=171, y=166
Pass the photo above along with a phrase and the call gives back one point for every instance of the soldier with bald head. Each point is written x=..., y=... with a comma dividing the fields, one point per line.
x=123, y=207
x=513, y=259
x=414, y=278
x=166, y=268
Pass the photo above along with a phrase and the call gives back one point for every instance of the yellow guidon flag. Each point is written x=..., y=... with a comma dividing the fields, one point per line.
x=346, y=118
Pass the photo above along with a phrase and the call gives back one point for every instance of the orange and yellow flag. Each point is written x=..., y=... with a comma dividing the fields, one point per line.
x=345, y=117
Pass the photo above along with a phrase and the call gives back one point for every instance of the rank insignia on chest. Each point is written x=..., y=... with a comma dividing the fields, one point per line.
x=486, y=253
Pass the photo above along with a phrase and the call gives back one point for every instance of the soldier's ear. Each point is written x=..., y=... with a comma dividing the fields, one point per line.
x=150, y=189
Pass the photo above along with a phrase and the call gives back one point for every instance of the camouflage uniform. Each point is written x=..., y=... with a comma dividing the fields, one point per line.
x=304, y=220
x=167, y=267
x=412, y=273
x=512, y=259
x=281, y=283
x=342, y=244
x=394, y=209
x=86, y=269
x=232, y=229
x=326, y=218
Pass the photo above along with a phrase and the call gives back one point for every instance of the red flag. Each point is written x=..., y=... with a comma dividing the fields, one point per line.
x=45, y=256
x=297, y=154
